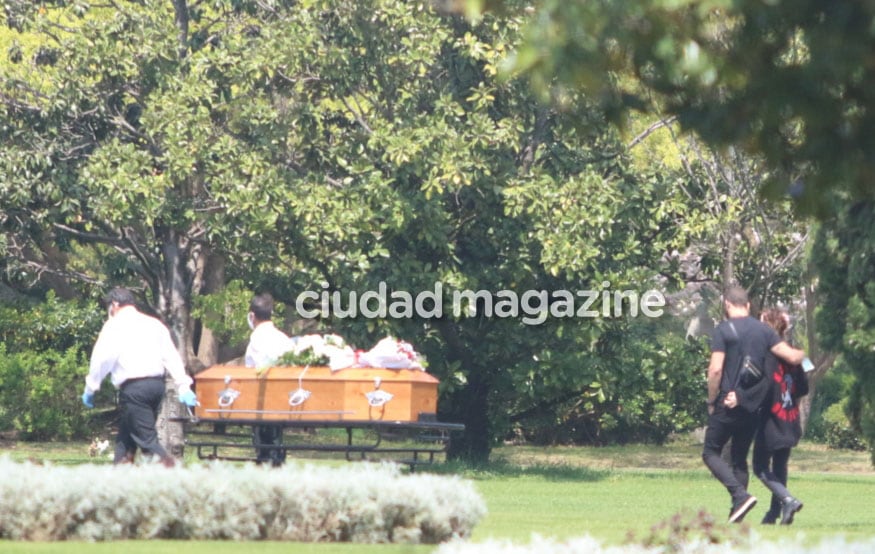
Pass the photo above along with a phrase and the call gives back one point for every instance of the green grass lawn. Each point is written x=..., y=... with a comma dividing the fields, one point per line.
x=610, y=505
x=607, y=492
x=566, y=492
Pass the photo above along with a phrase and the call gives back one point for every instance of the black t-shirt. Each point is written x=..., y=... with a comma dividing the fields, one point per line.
x=750, y=337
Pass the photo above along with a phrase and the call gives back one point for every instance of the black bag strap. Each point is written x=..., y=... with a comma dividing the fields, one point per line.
x=741, y=358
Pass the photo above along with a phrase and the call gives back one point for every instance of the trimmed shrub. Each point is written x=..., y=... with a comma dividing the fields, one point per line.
x=365, y=503
x=829, y=422
x=838, y=431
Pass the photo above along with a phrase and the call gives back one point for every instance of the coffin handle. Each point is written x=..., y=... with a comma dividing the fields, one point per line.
x=378, y=398
x=228, y=395
x=298, y=397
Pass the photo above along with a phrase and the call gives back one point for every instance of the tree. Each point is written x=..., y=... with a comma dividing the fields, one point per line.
x=464, y=181
x=298, y=144
x=138, y=129
x=790, y=81
x=418, y=167
x=843, y=254
x=772, y=81
x=733, y=236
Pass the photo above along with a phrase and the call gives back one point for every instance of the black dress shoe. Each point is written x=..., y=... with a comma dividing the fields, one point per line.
x=789, y=507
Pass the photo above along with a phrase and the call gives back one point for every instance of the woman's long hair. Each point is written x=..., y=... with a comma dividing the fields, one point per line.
x=776, y=319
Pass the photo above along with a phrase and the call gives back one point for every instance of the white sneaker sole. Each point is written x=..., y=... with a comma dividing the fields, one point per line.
x=742, y=510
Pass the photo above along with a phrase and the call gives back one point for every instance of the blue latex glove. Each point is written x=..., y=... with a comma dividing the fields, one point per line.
x=88, y=399
x=188, y=398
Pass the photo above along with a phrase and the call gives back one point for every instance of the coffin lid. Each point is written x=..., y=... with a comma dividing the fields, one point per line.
x=237, y=373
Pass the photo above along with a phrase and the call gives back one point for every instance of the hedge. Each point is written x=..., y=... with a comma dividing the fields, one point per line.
x=366, y=503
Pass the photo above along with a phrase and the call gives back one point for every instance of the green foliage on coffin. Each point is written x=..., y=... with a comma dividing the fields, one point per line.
x=303, y=358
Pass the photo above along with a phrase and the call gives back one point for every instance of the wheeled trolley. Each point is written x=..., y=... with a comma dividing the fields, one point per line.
x=364, y=413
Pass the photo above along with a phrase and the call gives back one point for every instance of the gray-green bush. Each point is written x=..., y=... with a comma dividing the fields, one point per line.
x=365, y=503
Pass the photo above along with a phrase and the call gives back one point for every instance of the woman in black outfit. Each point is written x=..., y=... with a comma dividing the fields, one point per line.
x=780, y=428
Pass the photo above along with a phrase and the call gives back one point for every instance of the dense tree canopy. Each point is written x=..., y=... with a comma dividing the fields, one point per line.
x=336, y=145
x=791, y=81
x=845, y=256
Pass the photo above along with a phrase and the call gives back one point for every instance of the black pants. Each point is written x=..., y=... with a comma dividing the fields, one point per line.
x=139, y=402
x=771, y=467
x=740, y=427
x=268, y=435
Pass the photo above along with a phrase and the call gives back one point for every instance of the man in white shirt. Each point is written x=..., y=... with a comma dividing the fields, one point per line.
x=266, y=345
x=135, y=349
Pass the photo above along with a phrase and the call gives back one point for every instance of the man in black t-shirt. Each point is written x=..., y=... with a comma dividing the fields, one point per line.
x=732, y=408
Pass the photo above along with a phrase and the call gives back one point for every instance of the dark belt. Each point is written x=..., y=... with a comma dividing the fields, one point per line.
x=136, y=379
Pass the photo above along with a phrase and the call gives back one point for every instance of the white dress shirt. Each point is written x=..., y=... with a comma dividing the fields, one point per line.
x=133, y=345
x=266, y=345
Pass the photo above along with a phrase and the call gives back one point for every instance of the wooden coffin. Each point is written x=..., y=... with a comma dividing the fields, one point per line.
x=315, y=393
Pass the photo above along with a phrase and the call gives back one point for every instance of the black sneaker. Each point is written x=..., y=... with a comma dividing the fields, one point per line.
x=770, y=518
x=741, y=508
x=789, y=507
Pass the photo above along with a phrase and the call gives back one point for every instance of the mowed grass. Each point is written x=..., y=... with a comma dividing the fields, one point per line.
x=614, y=491
x=610, y=493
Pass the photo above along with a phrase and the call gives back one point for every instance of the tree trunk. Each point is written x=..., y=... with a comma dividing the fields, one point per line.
x=471, y=403
x=475, y=445
x=207, y=347
x=728, y=270
x=178, y=283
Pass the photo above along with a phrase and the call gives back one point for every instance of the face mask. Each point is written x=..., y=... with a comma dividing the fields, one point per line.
x=250, y=319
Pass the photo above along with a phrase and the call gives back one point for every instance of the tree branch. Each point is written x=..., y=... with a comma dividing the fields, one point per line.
x=358, y=116
x=88, y=237
x=180, y=8
x=147, y=262
x=65, y=274
x=648, y=131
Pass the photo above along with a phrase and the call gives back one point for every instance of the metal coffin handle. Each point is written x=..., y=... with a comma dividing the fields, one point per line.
x=377, y=398
x=298, y=397
x=227, y=396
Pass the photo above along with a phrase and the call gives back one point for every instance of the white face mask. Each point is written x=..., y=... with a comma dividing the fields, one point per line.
x=250, y=319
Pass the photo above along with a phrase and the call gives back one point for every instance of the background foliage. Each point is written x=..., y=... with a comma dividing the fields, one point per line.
x=201, y=152
x=43, y=352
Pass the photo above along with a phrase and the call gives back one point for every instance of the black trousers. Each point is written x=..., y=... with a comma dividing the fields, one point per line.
x=740, y=427
x=267, y=435
x=139, y=402
x=771, y=467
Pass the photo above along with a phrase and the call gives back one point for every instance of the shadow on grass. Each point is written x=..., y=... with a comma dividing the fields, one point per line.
x=504, y=468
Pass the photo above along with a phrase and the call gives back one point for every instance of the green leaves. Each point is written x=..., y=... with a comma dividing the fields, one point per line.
x=783, y=80
x=844, y=255
x=348, y=143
